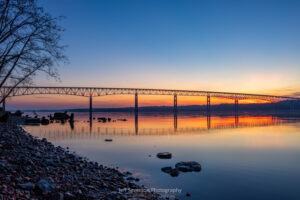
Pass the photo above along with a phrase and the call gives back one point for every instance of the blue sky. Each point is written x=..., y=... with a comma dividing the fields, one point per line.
x=222, y=45
x=130, y=43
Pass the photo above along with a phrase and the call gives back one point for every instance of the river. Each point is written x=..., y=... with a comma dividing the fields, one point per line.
x=244, y=157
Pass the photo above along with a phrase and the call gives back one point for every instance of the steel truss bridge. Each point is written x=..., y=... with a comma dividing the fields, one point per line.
x=102, y=91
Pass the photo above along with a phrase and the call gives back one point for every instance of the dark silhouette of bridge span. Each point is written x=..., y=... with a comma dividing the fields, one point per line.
x=99, y=91
x=102, y=91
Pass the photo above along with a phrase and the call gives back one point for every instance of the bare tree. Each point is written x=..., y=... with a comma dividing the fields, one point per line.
x=29, y=43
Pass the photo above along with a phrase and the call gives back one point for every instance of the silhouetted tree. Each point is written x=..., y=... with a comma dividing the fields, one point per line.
x=29, y=43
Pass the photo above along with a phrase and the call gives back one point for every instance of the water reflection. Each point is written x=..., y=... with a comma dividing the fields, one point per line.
x=154, y=125
x=242, y=156
x=136, y=122
x=175, y=121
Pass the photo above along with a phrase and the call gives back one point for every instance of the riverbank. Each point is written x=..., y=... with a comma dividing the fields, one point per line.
x=31, y=168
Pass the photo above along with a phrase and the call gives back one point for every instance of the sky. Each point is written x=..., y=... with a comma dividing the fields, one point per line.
x=250, y=46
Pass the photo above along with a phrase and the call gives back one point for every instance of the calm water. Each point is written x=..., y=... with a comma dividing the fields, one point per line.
x=249, y=157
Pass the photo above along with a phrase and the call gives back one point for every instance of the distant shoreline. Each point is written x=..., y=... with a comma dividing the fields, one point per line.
x=280, y=106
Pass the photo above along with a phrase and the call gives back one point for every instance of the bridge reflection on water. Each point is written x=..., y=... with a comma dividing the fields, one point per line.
x=152, y=125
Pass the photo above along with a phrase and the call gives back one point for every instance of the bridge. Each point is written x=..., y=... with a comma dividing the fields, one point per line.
x=102, y=91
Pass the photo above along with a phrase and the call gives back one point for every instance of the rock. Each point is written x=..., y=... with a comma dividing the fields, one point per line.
x=164, y=155
x=108, y=140
x=188, y=166
x=174, y=172
x=102, y=119
x=130, y=178
x=184, y=168
x=166, y=169
x=188, y=194
x=26, y=186
x=45, y=185
x=57, y=196
x=196, y=166
x=69, y=195
x=49, y=162
x=169, y=170
x=44, y=121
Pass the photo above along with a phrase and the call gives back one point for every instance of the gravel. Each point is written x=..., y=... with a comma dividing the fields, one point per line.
x=32, y=168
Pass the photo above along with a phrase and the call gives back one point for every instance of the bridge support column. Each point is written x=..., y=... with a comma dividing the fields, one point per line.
x=208, y=103
x=236, y=112
x=91, y=109
x=175, y=103
x=136, y=106
x=236, y=105
x=136, y=113
x=208, y=112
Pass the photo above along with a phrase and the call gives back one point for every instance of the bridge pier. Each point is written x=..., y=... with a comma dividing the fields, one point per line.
x=136, y=106
x=236, y=112
x=208, y=103
x=136, y=113
x=236, y=105
x=91, y=109
x=175, y=103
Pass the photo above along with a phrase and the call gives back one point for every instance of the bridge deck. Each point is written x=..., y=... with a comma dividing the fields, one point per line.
x=102, y=91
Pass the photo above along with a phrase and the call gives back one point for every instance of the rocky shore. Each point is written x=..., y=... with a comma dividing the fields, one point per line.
x=31, y=168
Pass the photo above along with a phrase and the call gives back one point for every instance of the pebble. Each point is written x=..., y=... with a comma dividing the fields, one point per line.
x=45, y=185
x=27, y=186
